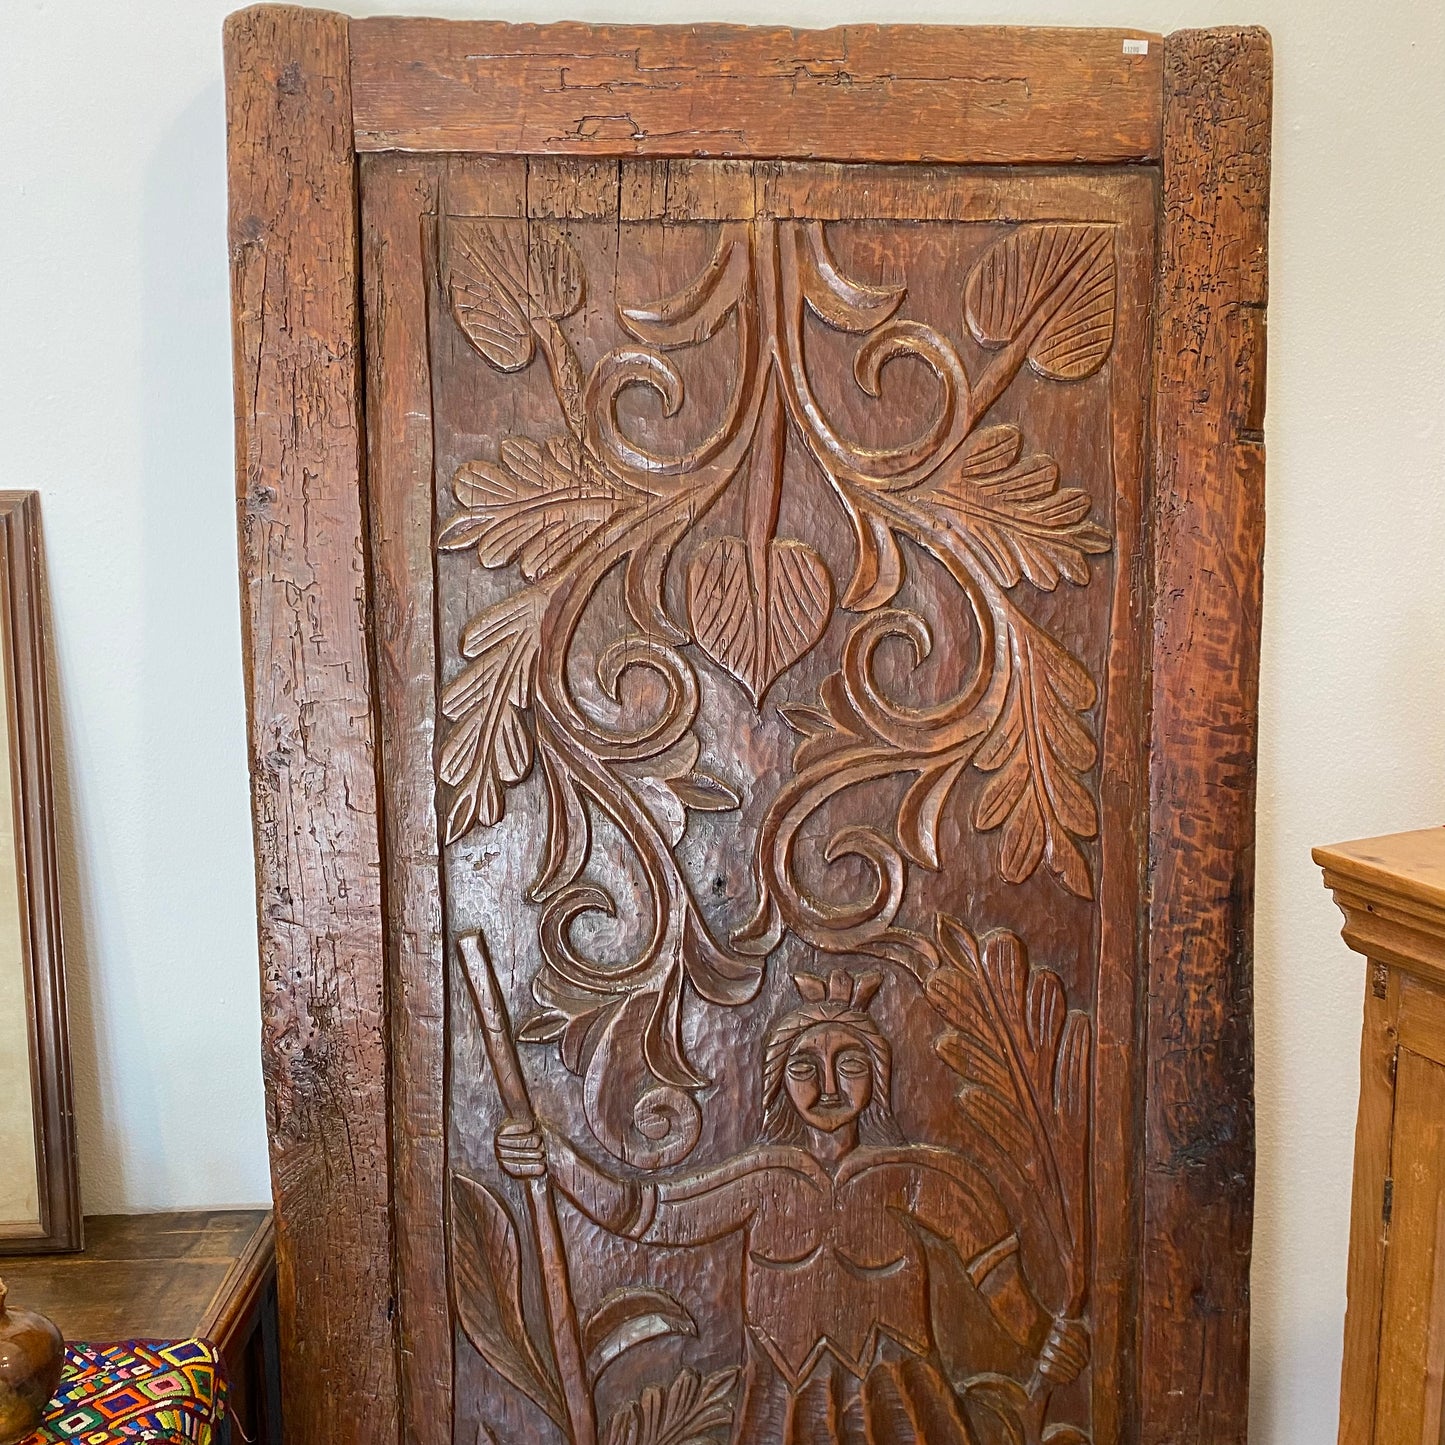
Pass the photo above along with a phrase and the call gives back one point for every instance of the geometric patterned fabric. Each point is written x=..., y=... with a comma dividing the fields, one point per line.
x=170, y=1391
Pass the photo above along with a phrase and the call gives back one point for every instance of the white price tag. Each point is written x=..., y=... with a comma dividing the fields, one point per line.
x=1136, y=47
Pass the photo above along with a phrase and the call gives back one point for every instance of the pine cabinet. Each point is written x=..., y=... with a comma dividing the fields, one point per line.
x=1392, y=893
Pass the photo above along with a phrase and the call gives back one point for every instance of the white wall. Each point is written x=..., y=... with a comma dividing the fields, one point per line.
x=115, y=403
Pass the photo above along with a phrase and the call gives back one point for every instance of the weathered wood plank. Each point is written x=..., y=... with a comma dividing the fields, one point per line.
x=313, y=766
x=394, y=192
x=862, y=93
x=1209, y=464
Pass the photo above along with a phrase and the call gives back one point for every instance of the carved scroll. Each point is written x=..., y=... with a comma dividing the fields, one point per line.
x=611, y=728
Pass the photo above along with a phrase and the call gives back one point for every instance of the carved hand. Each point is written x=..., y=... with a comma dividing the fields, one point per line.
x=522, y=1152
x=1065, y=1351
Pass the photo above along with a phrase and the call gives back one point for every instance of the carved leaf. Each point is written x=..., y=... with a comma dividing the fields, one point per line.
x=555, y=279
x=1055, y=284
x=538, y=505
x=686, y=1413
x=922, y=809
x=569, y=831
x=1039, y=750
x=705, y=793
x=489, y=748
x=1024, y=1057
x=497, y=288
x=756, y=627
x=543, y=1027
x=487, y=1283
x=1016, y=514
x=486, y=280
x=670, y=784
x=628, y=1318
x=636, y=1088
x=645, y=578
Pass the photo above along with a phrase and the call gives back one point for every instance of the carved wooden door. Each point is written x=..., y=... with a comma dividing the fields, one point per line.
x=773, y=591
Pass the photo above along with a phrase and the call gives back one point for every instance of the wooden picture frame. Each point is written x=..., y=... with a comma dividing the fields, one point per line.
x=55, y=1224
x=353, y=979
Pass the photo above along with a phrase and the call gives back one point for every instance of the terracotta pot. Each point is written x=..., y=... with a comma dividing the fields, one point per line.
x=31, y=1354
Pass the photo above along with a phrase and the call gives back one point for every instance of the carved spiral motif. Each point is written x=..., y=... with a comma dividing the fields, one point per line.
x=570, y=510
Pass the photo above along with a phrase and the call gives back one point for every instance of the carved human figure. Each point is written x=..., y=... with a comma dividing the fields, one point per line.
x=839, y=1333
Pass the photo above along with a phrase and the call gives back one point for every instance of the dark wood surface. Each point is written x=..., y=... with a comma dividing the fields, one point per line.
x=27, y=706
x=992, y=873
x=295, y=271
x=399, y=443
x=1209, y=459
x=150, y=1276
x=855, y=93
x=748, y=616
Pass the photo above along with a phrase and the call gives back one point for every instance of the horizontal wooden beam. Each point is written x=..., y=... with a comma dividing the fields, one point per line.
x=983, y=95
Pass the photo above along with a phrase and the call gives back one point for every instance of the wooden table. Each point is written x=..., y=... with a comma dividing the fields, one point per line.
x=209, y=1274
x=1392, y=893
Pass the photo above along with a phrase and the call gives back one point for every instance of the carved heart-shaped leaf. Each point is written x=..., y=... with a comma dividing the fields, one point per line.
x=487, y=1283
x=758, y=626
x=1055, y=281
x=500, y=276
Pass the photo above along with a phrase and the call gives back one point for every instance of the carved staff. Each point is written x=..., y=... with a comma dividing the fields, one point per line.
x=541, y=1203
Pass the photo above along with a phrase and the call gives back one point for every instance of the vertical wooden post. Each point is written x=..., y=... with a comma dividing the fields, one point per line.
x=396, y=192
x=295, y=276
x=1209, y=471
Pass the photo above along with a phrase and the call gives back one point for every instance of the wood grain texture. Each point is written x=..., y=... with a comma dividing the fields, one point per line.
x=150, y=1276
x=1412, y=1330
x=1366, y=1273
x=27, y=725
x=1209, y=405
x=398, y=193
x=739, y=732
x=1391, y=891
x=857, y=93
x=758, y=565
x=313, y=764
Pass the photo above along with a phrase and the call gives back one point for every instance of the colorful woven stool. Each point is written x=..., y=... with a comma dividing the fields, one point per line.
x=172, y=1392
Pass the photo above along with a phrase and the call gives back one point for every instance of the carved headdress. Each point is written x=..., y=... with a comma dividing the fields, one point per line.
x=842, y=999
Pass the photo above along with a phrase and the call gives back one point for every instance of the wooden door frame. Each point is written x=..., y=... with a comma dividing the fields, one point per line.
x=308, y=91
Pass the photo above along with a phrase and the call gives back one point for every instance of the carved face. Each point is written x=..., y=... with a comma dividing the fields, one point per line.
x=829, y=1077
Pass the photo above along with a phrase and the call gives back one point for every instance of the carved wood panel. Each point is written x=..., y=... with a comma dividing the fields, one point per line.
x=769, y=535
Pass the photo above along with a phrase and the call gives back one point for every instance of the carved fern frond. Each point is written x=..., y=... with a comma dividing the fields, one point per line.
x=488, y=748
x=688, y=1412
x=1039, y=750
x=1013, y=511
x=537, y=505
x=1024, y=1059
